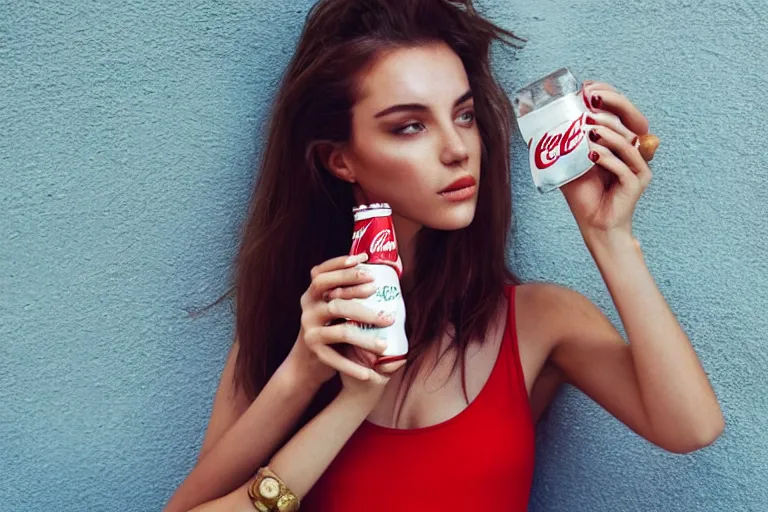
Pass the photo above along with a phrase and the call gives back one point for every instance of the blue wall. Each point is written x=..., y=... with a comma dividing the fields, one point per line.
x=128, y=137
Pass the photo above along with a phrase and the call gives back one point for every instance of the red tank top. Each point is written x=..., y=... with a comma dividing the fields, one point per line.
x=481, y=459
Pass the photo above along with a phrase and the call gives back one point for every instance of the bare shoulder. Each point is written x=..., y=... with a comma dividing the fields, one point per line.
x=549, y=294
x=551, y=303
x=542, y=312
x=542, y=301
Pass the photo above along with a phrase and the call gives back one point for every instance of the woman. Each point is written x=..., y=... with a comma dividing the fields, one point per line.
x=390, y=101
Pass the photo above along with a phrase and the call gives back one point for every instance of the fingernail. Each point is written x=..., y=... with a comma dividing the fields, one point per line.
x=597, y=101
x=594, y=156
x=361, y=272
x=356, y=258
x=593, y=135
x=634, y=141
x=386, y=316
x=591, y=120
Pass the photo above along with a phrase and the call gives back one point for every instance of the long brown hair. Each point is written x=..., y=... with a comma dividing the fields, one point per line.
x=300, y=214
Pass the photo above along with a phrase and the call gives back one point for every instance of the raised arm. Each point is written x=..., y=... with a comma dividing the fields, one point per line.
x=655, y=384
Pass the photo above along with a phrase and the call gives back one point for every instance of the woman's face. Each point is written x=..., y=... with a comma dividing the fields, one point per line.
x=415, y=143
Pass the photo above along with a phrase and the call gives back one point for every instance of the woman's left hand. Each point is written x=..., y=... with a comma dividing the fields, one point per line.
x=604, y=198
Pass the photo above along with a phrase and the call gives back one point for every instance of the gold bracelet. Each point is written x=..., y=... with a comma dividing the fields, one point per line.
x=269, y=494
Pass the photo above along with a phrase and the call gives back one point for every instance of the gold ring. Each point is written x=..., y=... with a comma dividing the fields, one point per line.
x=647, y=145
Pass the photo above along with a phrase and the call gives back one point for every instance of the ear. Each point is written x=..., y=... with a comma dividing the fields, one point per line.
x=335, y=159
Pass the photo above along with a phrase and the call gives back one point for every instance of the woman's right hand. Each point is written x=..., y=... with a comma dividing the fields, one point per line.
x=334, y=283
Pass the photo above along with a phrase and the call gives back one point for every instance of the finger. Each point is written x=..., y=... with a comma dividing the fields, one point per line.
x=589, y=88
x=338, y=263
x=356, y=311
x=352, y=335
x=366, y=357
x=592, y=85
x=360, y=291
x=326, y=281
x=379, y=379
x=381, y=375
x=619, y=146
x=618, y=104
x=606, y=177
x=612, y=121
x=610, y=162
x=390, y=368
x=335, y=360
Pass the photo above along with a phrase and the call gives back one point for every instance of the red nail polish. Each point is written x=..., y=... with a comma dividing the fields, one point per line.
x=590, y=120
x=593, y=136
x=634, y=141
x=584, y=97
x=597, y=101
x=594, y=156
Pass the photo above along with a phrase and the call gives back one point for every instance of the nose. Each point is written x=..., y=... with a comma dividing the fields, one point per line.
x=454, y=150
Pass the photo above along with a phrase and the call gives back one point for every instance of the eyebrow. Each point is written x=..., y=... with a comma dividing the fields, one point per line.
x=418, y=106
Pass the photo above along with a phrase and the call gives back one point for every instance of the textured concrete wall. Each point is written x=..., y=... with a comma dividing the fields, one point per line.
x=129, y=132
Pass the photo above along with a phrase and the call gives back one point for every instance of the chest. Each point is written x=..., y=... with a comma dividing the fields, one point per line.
x=436, y=394
x=487, y=461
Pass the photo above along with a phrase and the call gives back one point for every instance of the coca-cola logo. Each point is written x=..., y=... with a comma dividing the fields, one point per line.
x=357, y=235
x=382, y=243
x=551, y=147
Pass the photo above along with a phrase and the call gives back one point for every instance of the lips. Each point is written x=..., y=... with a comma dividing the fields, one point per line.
x=465, y=182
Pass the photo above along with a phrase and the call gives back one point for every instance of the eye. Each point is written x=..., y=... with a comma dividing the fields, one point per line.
x=466, y=118
x=409, y=129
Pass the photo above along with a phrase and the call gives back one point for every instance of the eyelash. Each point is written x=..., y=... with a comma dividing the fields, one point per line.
x=401, y=130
